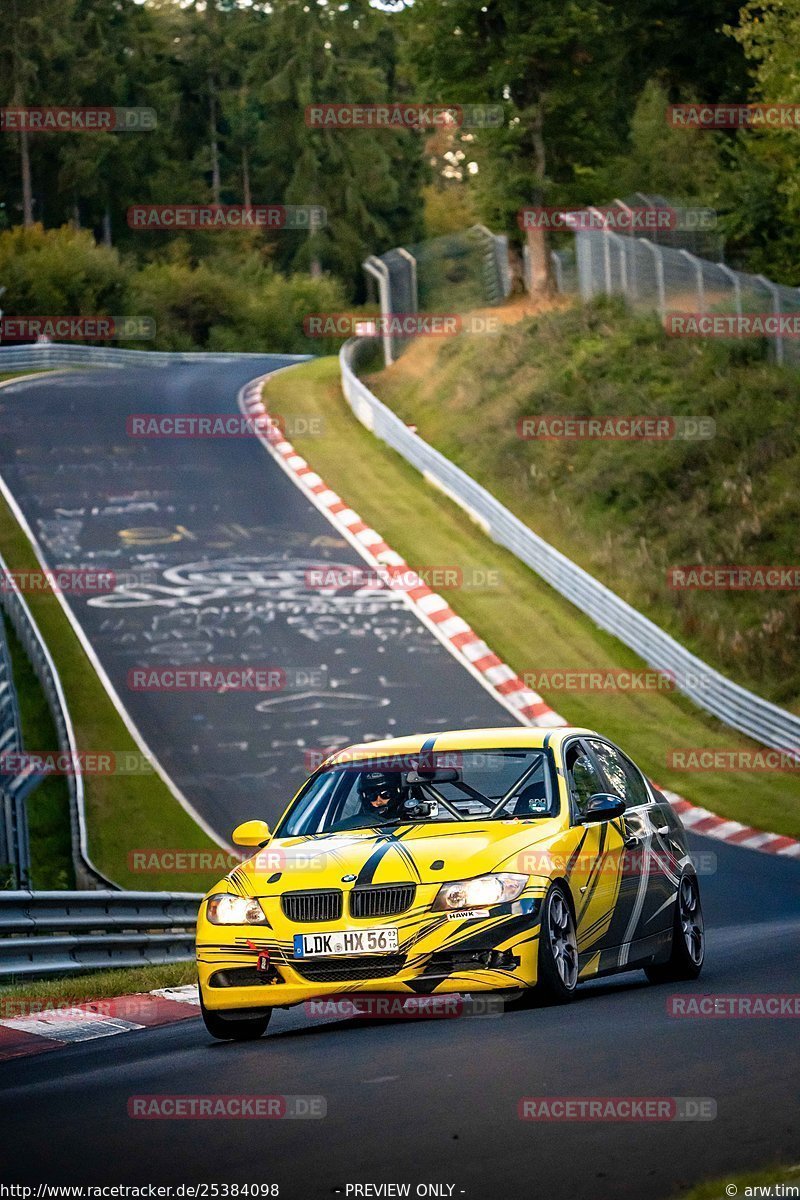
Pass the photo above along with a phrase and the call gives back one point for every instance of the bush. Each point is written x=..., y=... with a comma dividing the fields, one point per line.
x=59, y=272
x=226, y=302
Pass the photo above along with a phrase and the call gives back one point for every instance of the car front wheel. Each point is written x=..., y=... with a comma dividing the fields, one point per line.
x=558, y=949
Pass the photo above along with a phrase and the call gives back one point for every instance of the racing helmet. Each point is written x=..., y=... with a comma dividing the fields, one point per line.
x=372, y=784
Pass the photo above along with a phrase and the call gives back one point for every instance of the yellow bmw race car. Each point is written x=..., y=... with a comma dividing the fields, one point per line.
x=471, y=861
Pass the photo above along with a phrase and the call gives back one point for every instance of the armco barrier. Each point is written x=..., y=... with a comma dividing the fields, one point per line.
x=50, y=355
x=14, y=843
x=46, y=933
x=732, y=704
x=19, y=615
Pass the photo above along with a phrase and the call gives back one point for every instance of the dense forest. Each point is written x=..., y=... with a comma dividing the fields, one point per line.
x=583, y=87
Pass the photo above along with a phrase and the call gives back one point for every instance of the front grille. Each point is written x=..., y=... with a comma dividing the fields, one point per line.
x=244, y=977
x=383, y=900
x=336, y=970
x=312, y=906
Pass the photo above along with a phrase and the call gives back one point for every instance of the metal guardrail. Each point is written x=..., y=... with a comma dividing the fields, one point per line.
x=19, y=615
x=709, y=689
x=49, y=355
x=14, y=846
x=47, y=933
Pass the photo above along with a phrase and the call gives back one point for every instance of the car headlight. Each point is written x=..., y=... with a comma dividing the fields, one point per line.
x=479, y=892
x=224, y=909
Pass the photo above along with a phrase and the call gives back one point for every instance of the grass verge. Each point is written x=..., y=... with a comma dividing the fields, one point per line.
x=746, y=1185
x=124, y=813
x=522, y=619
x=20, y=374
x=628, y=511
x=94, y=985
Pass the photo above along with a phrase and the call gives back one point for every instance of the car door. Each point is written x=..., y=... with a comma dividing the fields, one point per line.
x=646, y=881
x=593, y=870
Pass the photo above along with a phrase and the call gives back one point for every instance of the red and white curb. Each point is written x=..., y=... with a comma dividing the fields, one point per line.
x=48, y=1024
x=432, y=609
x=435, y=612
x=700, y=820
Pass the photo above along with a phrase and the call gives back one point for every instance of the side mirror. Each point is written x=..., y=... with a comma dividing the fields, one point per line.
x=251, y=833
x=603, y=806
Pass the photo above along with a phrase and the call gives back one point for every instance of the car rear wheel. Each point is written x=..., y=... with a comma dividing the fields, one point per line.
x=688, y=937
x=558, y=949
x=228, y=1027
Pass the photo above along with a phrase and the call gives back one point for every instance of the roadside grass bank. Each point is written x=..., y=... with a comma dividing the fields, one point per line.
x=749, y=1184
x=124, y=813
x=522, y=618
x=21, y=374
x=94, y=985
x=628, y=511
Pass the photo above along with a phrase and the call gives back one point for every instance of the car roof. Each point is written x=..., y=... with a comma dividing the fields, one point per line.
x=443, y=741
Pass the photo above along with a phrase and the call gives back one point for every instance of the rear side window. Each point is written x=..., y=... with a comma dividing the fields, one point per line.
x=623, y=777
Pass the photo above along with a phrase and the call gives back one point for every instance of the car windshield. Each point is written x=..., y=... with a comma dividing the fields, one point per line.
x=466, y=785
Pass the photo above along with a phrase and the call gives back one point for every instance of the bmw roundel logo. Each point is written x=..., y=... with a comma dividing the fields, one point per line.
x=348, y=878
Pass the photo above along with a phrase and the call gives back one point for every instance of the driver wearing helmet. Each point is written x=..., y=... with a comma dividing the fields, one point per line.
x=380, y=798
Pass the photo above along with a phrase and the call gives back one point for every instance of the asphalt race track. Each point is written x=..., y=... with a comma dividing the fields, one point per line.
x=414, y=1101
x=435, y=1101
x=214, y=546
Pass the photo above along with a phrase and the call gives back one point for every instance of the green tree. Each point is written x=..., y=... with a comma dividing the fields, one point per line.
x=764, y=188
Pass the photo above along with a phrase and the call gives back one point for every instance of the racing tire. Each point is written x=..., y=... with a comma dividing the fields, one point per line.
x=558, y=949
x=232, y=1028
x=688, y=937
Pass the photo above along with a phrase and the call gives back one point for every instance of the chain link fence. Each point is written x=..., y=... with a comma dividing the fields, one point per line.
x=659, y=272
x=445, y=275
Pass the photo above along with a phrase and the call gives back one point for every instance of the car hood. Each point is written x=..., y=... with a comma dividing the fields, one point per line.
x=403, y=854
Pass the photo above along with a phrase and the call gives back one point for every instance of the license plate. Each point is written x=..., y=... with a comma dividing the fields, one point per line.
x=351, y=941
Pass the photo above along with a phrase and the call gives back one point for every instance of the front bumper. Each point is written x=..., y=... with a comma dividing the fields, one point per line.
x=435, y=955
